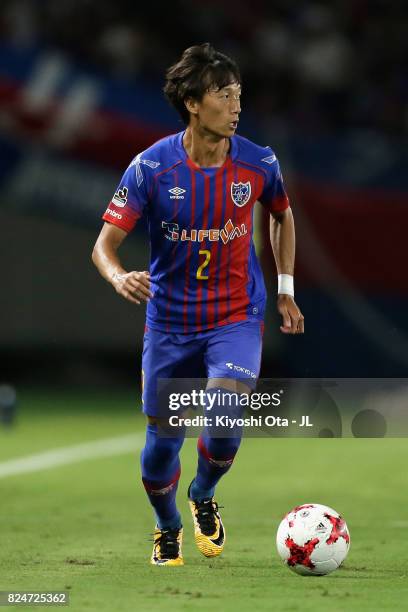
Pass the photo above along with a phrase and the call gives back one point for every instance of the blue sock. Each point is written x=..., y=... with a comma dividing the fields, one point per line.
x=160, y=465
x=215, y=454
x=215, y=457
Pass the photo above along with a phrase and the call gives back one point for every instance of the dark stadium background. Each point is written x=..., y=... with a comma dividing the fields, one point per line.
x=325, y=84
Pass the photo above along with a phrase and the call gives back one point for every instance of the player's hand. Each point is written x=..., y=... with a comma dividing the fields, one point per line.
x=133, y=286
x=293, y=320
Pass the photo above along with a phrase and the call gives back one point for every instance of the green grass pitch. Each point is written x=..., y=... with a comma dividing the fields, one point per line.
x=85, y=527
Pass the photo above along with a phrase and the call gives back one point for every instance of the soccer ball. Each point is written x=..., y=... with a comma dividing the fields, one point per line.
x=313, y=540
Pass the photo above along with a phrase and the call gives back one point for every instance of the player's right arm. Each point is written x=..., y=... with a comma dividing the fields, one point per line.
x=133, y=286
x=124, y=209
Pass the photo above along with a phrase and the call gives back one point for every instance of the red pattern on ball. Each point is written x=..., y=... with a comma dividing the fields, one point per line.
x=300, y=555
x=297, y=508
x=338, y=529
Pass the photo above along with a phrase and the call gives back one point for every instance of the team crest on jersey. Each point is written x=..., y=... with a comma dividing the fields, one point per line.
x=120, y=197
x=240, y=193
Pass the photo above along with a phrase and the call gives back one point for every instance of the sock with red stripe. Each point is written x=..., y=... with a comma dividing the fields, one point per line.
x=215, y=454
x=160, y=465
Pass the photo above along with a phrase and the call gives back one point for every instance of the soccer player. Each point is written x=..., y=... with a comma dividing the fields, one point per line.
x=204, y=290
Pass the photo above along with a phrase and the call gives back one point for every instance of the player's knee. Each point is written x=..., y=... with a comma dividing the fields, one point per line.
x=222, y=448
x=231, y=445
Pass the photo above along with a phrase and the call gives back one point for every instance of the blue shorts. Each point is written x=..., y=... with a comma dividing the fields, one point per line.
x=231, y=351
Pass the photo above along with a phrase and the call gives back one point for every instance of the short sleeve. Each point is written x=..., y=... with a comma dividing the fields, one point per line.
x=130, y=198
x=274, y=196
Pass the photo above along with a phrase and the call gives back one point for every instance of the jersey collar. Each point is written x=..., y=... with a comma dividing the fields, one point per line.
x=183, y=153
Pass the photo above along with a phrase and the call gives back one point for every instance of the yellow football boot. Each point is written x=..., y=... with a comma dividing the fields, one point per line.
x=167, y=547
x=209, y=531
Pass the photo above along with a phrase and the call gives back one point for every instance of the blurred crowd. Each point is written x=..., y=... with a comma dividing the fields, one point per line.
x=318, y=65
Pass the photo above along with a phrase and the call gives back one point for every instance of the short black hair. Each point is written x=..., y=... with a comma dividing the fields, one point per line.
x=200, y=68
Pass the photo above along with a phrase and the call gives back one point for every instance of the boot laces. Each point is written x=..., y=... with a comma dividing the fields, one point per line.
x=206, y=512
x=168, y=543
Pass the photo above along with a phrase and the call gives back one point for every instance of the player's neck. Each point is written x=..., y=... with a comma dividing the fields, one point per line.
x=204, y=149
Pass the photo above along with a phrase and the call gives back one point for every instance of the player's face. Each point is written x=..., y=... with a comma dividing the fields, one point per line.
x=218, y=111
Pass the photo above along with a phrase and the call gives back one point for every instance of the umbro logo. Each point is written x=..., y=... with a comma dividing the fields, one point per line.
x=177, y=193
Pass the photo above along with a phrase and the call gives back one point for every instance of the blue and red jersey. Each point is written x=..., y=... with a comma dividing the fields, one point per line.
x=203, y=267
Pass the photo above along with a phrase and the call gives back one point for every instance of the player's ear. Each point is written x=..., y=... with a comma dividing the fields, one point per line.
x=191, y=105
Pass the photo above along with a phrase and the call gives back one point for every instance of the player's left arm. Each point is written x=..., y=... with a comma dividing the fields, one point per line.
x=282, y=235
